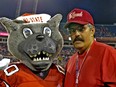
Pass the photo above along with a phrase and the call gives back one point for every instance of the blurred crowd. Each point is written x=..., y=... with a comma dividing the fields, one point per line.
x=4, y=50
x=65, y=54
x=5, y=53
x=104, y=32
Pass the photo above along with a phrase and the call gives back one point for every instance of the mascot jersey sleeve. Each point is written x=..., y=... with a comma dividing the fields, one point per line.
x=20, y=76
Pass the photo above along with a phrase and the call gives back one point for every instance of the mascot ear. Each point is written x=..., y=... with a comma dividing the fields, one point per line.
x=9, y=24
x=55, y=21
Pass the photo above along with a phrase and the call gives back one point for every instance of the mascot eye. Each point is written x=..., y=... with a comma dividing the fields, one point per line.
x=47, y=31
x=27, y=32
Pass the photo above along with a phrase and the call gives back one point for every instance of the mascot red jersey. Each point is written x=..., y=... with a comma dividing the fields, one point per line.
x=36, y=41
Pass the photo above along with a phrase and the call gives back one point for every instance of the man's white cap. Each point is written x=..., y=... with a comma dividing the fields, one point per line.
x=35, y=18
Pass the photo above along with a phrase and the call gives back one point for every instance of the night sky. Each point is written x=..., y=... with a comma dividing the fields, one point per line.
x=103, y=11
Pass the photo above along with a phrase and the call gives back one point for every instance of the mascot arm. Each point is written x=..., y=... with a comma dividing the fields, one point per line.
x=4, y=63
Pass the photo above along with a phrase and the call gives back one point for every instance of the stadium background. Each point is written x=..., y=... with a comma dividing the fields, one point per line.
x=103, y=11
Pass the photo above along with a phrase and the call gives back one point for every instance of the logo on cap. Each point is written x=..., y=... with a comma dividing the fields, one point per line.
x=73, y=15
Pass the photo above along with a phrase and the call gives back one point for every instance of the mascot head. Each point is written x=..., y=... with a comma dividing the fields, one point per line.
x=36, y=44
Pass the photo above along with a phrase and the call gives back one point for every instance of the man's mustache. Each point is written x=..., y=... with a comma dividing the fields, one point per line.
x=78, y=39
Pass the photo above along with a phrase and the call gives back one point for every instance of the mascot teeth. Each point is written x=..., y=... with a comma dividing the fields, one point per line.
x=34, y=59
x=41, y=59
x=40, y=56
x=50, y=55
x=38, y=53
x=35, y=55
x=43, y=52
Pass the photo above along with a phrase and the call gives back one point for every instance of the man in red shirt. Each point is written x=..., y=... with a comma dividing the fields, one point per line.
x=94, y=63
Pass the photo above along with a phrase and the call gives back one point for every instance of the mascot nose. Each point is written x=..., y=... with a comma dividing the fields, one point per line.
x=40, y=37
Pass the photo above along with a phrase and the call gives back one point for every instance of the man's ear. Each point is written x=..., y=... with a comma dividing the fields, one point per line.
x=93, y=31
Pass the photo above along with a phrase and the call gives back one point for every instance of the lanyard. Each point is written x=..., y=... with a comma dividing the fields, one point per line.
x=79, y=69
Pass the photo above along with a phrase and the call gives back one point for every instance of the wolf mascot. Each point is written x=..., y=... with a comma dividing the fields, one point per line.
x=36, y=45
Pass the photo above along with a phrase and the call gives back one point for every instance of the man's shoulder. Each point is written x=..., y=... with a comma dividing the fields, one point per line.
x=72, y=61
x=104, y=46
x=73, y=57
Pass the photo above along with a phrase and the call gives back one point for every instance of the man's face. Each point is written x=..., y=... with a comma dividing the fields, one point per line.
x=81, y=35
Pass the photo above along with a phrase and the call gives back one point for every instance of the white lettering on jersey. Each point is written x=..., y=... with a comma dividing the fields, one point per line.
x=6, y=84
x=12, y=72
x=60, y=69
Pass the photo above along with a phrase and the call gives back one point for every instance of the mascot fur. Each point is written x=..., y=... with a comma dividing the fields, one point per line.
x=36, y=45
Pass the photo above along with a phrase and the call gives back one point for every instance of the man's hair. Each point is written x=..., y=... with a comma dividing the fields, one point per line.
x=90, y=26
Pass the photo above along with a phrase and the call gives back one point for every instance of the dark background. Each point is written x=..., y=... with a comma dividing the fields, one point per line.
x=103, y=11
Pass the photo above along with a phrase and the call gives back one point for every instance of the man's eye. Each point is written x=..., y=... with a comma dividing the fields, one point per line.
x=72, y=30
x=80, y=29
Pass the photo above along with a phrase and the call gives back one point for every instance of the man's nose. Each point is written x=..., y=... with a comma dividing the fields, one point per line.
x=77, y=33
